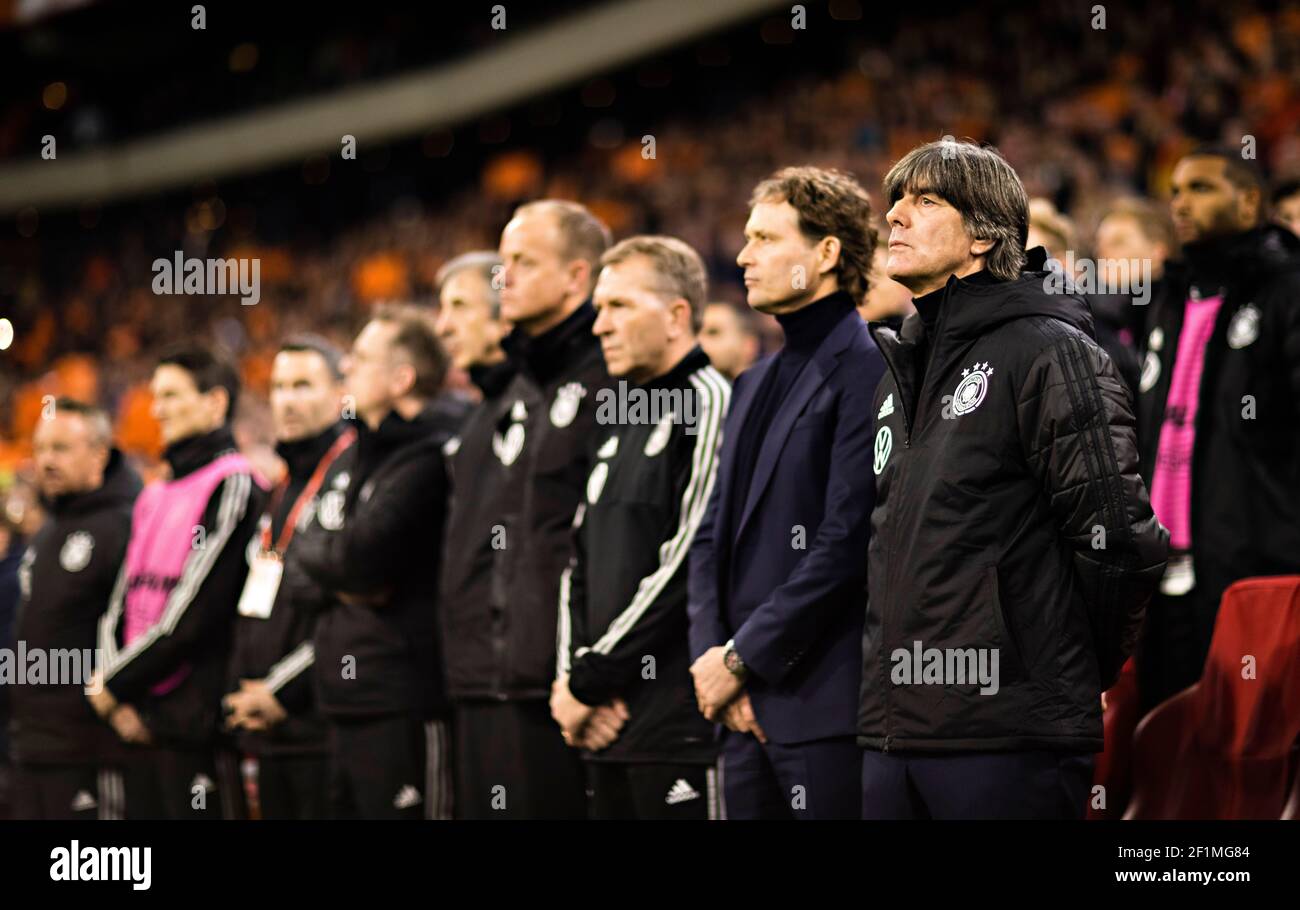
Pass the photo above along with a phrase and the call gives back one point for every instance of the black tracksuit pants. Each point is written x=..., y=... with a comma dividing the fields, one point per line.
x=511, y=762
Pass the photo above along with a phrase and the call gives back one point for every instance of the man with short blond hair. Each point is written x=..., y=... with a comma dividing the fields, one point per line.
x=64, y=755
x=623, y=595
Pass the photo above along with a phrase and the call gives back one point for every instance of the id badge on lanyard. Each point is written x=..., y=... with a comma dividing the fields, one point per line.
x=266, y=568
x=264, y=574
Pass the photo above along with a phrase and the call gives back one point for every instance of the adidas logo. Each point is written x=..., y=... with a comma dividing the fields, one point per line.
x=83, y=801
x=202, y=782
x=407, y=797
x=888, y=407
x=681, y=792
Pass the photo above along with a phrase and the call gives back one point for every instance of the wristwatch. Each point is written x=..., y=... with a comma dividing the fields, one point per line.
x=731, y=659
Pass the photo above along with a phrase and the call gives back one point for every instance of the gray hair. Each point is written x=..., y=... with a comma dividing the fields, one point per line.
x=482, y=262
x=680, y=269
x=100, y=429
x=980, y=185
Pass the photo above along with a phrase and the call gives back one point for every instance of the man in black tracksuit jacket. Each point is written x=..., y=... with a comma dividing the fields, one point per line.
x=165, y=673
x=623, y=626
x=276, y=651
x=378, y=669
x=271, y=701
x=1231, y=499
x=63, y=753
x=1013, y=546
x=511, y=761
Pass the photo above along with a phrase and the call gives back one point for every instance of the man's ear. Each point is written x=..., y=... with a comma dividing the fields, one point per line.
x=1250, y=206
x=980, y=247
x=580, y=277
x=220, y=400
x=829, y=249
x=403, y=380
x=679, y=318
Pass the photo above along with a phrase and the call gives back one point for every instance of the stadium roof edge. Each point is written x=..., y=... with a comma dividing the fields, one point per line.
x=541, y=60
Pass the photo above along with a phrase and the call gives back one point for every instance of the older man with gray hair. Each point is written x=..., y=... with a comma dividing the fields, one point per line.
x=1013, y=548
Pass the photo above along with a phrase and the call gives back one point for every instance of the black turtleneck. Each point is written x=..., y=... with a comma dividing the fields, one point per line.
x=805, y=330
x=191, y=453
x=301, y=457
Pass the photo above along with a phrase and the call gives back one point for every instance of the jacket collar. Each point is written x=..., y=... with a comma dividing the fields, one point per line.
x=492, y=379
x=1242, y=261
x=121, y=485
x=303, y=455
x=676, y=377
x=547, y=355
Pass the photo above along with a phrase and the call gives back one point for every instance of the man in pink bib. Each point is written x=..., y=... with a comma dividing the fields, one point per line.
x=165, y=639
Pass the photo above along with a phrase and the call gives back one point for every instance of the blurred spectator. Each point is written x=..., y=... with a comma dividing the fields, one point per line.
x=886, y=298
x=1133, y=232
x=1286, y=205
x=1049, y=229
x=730, y=337
x=19, y=517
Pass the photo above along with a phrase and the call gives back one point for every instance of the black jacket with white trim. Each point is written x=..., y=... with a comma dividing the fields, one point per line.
x=66, y=579
x=1010, y=522
x=205, y=600
x=623, y=623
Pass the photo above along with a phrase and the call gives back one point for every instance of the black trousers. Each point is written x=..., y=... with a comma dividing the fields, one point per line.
x=164, y=782
x=976, y=785
x=293, y=786
x=808, y=781
x=69, y=792
x=377, y=768
x=511, y=762
x=618, y=790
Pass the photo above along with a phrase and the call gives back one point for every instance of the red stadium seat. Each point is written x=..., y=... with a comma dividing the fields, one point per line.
x=1223, y=748
x=1115, y=765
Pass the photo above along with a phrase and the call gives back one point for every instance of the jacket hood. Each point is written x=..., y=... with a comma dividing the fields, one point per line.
x=120, y=487
x=974, y=308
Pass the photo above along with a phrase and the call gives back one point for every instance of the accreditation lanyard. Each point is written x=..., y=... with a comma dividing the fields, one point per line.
x=345, y=439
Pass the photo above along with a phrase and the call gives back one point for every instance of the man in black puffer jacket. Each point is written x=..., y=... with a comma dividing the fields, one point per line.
x=1013, y=546
x=378, y=668
x=63, y=752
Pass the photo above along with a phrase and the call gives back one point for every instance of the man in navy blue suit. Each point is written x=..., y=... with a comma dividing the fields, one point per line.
x=778, y=566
